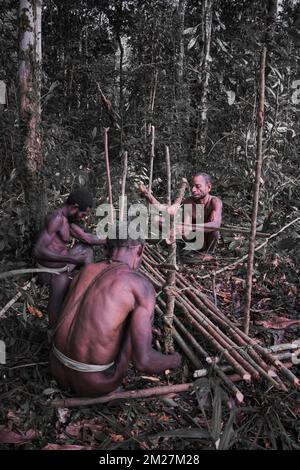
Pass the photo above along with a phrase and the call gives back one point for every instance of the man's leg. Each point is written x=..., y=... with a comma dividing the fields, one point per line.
x=58, y=291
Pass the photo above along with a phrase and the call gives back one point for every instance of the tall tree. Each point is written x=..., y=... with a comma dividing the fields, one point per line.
x=30, y=108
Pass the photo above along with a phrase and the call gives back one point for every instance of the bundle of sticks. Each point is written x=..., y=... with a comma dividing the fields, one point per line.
x=195, y=312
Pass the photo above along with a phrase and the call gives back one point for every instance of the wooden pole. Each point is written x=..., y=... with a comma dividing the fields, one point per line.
x=110, y=198
x=151, y=158
x=169, y=176
x=171, y=275
x=144, y=393
x=258, y=166
x=123, y=188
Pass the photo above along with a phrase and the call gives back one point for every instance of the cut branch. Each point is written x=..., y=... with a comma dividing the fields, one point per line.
x=132, y=394
x=123, y=188
x=110, y=198
x=260, y=129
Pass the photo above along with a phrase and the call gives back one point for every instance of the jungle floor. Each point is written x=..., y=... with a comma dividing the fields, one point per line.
x=206, y=418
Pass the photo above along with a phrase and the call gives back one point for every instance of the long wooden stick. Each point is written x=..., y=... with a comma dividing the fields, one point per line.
x=110, y=198
x=169, y=176
x=123, y=188
x=171, y=275
x=258, y=166
x=19, y=272
x=227, y=229
x=152, y=158
x=132, y=394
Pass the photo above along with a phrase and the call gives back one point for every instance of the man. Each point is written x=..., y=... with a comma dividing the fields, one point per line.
x=51, y=251
x=105, y=323
x=212, y=206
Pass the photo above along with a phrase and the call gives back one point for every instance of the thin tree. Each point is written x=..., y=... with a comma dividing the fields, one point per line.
x=30, y=109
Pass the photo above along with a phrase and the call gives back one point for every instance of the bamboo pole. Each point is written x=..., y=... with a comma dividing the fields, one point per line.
x=258, y=166
x=179, y=340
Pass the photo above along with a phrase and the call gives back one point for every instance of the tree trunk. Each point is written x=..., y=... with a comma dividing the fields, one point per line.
x=30, y=110
x=181, y=7
x=207, y=10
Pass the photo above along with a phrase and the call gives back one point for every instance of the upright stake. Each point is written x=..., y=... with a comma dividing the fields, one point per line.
x=151, y=158
x=171, y=276
x=110, y=199
x=168, y=175
x=123, y=189
x=258, y=165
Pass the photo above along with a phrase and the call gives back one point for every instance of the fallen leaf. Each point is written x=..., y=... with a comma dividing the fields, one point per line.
x=151, y=379
x=164, y=418
x=11, y=437
x=34, y=311
x=63, y=414
x=65, y=447
x=116, y=437
x=279, y=323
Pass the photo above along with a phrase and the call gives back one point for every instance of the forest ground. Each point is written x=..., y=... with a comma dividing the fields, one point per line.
x=204, y=419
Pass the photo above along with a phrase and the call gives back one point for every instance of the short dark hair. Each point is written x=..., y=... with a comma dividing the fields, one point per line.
x=80, y=197
x=205, y=176
x=114, y=242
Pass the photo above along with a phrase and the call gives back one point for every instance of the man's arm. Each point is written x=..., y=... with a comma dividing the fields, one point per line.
x=214, y=222
x=144, y=357
x=215, y=218
x=88, y=238
x=42, y=251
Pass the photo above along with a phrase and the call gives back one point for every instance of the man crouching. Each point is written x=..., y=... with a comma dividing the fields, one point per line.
x=106, y=322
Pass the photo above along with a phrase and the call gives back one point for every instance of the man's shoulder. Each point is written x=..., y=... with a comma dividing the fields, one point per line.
x=53, y=216
x=139, y=283
x=216, y=200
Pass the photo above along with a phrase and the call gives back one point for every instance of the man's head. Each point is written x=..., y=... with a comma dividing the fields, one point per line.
x=126, y=249
x=201, y=186
x=79, y=204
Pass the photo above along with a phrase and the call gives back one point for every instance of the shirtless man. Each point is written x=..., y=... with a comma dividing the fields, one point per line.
x=201, y=187
x=51, y=250
x=105, y=323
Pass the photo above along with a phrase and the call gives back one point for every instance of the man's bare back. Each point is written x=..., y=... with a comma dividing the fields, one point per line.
x=107, y=317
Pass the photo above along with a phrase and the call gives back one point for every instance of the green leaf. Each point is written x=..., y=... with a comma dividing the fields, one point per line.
x=192, y=42
x=217, y=416
x=192, y=30
x=94, y=132
x=186, y=433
